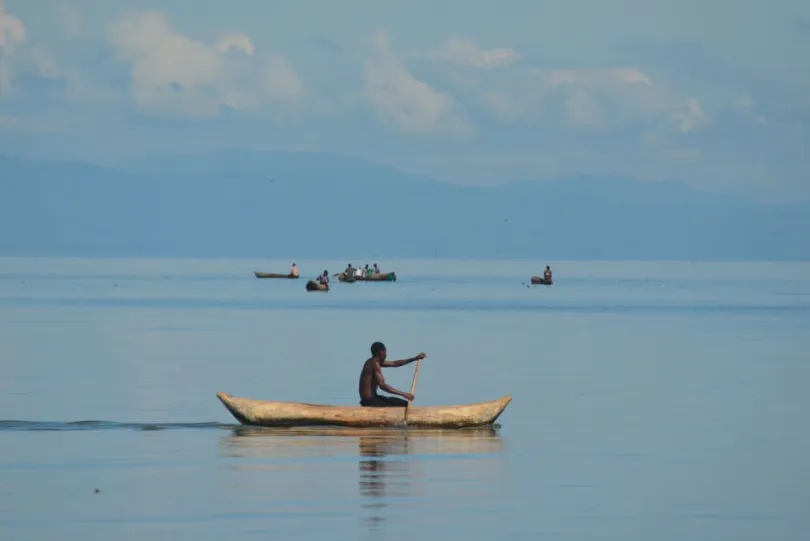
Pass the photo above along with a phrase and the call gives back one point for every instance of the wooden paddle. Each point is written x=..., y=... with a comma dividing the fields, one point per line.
x=413, y=386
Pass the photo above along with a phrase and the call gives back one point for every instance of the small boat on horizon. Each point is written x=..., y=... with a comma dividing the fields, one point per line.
x=275, y=275
x=312, y=285
x=382, y=277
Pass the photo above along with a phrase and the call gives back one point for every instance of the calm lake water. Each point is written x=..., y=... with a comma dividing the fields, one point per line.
x=663, y=401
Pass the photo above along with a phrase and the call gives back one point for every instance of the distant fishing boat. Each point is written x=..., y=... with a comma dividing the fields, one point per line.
x=274, y=275
x=382, y=277
x=312, y=285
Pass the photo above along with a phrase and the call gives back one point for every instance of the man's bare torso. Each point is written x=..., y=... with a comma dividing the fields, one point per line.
x=368, y=384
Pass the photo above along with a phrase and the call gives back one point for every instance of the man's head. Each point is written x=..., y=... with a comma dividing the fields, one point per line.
x=378, y=350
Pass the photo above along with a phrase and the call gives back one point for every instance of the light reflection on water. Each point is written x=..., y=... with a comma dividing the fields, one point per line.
x=390, y=461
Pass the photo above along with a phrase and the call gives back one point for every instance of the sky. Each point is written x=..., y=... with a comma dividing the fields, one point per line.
x=715, y=94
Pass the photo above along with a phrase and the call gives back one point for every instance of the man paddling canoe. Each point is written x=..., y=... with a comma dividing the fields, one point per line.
x=371, y=379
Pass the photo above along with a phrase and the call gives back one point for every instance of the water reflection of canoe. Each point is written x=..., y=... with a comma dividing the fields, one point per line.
x=382, y=277
x=541, y=281
x=271, y=413
x=312, y=285
x=273, y=275
x=263, y=442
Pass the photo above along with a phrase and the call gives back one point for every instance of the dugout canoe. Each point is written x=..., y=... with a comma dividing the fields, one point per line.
x=273, y=275
x=382, y=277
x=288, y=414
x=312, y=285
x=541, y=281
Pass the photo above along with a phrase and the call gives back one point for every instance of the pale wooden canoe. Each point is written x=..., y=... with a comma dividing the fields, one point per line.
x=274, y=275
x=270, y=413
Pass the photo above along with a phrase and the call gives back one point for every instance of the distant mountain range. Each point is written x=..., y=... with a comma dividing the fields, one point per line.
x=242, y=203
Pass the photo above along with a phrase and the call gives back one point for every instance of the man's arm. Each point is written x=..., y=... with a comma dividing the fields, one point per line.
x=403, y=362
x=387, y=388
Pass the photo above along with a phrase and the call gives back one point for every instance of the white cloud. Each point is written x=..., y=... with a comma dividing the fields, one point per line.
x=596, y=77
x=69, y=19
x=12, y=30
x=690, y=117
x=236, y=41
x=466, y=52
x=176, y=75
x=41, y=62
x=747, y=106
x=504, y=107
x=582, y=110
x=603, y=99
x=12, y=33
x=401, y=99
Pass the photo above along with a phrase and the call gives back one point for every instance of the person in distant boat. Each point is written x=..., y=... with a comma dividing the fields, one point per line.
x=324, y=278
x=366, y=271
x=371, y=379
x=376, y=269
x=294, y=271
x=547, y=274
x=349, y=271
x=358, y=272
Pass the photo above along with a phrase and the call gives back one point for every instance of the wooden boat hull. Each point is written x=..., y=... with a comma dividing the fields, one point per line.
x=312, y=285
x=383, y=277
x=273, y=275
x=537, y=280
x=271, y=413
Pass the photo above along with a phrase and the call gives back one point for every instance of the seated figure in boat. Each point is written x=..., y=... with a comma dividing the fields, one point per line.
x=371, y=379
x=358, y=272
x=324, y=278
x=547, y=274
x=376, y=269
x=349, y=271
x=366, y=271
x=294, y=271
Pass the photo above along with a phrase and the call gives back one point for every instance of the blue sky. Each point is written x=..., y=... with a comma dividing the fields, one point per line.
x=716, y=94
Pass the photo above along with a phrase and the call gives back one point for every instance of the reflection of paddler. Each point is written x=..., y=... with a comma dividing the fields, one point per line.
x=396, y=443
x=373, y=471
